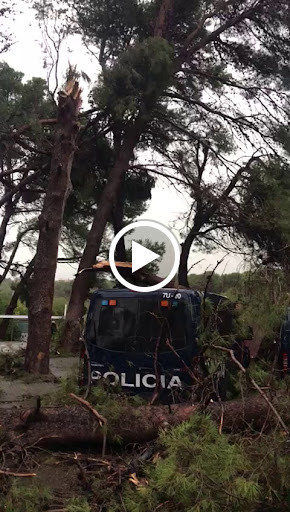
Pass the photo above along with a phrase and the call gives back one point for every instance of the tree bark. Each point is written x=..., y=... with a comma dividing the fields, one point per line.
x=50, y=224
x=70, y=426
x=200, y=220
x=124, y=154
x=14, y=299
x=118, y=222
x=81, y=283
x=9, y=208
x=182, y=271
x=163, y=18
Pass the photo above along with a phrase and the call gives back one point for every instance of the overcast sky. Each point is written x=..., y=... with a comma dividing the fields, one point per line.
x=167, y=204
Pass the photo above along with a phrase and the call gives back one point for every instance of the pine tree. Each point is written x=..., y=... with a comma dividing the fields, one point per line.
x=162, y=62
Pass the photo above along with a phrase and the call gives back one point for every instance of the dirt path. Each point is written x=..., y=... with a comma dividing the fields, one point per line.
x=21, y=394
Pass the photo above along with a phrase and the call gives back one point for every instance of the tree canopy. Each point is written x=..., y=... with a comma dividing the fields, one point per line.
x=195, y=92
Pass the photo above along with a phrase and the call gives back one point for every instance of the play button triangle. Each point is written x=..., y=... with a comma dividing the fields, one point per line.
x=141, y=256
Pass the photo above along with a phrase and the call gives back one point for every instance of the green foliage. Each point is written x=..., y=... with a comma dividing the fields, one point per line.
x=77, y=505
x=12, y=365
x=13, y=332
x=5, y=295
x=21, y=309
x=108, y=500
x=110, y=21
x=112, y=402
x=157, y=247
x=62, y=289
x=21, y=102
x=200, y=471
x=270, y=460
x=266, y=222
x=58, y=306
x=264, y=299
x=260, y=375
x=219, y=283
x=30, y=498
x=261, y=298
x=136, y=80
x=90, y=170
x=68, y=384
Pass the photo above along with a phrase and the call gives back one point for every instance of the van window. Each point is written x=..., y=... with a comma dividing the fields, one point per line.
x=137, y=325
x=115, y=324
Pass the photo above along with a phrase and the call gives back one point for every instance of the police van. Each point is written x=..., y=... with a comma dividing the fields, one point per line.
x=135, y=339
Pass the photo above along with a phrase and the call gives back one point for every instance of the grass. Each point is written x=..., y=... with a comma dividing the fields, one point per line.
x=36, y=498
x=12, y=365
x=77, y=505
x=67, y=385
x=21, y=498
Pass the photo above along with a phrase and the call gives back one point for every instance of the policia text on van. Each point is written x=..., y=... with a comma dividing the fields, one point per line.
x=128, y=333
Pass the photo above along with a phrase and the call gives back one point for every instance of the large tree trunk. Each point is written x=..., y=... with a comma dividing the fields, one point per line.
x=185, y=251
x=50, y=223
x=182, y=271
x=14, y=299
x=70, y=426
x=164, y=18
x=9, y=208
x=123, y=155
x=201, y=218
x=118, y=222
x=81, y=283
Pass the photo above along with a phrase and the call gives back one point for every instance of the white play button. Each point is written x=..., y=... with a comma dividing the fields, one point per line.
x=157, y=234
x=141, y=256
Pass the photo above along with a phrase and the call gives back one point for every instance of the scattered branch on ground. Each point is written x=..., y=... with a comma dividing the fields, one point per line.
x=102, y=421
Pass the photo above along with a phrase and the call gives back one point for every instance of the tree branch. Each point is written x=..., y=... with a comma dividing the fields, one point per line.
x=102, y=421
x=231, y=22
x=163, y=18
x=159, y=173
x=12, y=255
x=25, y=181
x=256, y=386
x=11, y=473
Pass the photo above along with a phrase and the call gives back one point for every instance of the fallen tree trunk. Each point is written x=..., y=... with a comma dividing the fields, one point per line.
x=70, y=426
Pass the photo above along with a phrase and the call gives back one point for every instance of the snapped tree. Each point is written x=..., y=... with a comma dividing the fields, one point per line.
x=50, y=224
x=26, y=140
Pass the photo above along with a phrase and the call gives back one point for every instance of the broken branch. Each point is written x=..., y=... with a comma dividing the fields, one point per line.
x=11, y=473
x=256, y=386
x=102, y=421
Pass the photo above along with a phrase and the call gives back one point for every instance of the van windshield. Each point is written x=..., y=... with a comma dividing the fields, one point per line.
x=139, y=325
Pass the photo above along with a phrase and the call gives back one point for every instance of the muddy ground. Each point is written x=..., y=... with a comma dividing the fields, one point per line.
x=76, y=471
x=18, y=393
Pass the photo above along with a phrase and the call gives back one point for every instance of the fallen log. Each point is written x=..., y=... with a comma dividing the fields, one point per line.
x=71, y=426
